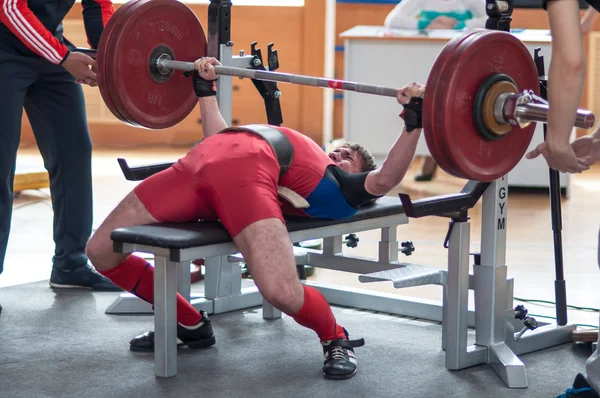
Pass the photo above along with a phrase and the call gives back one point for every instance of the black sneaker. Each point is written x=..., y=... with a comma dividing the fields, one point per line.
x=82, y=277
x=194, y=337
x=0, y=308
x=340, y=361
x=581, y=389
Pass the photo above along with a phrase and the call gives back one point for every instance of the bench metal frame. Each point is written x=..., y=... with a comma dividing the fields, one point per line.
x=495, y=322
x=222, y=275
x=494, y=317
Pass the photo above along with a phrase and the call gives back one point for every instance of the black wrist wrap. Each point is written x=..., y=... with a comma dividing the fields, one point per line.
x=412, y=114
x=202, y=87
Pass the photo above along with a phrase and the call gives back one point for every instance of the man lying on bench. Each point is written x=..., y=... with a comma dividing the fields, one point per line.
x=248, y=178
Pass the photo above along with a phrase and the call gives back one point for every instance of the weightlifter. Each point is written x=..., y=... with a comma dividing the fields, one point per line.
x=248, y=178
x=39, y=72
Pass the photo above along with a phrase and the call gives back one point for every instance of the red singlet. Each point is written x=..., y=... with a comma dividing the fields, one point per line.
x=233, y=178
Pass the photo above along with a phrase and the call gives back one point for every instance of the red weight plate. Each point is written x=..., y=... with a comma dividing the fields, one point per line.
x=440, y=86
x=429, y=102
x=484, y=53
x=102, y=56
x=149, y=24
x=100, y=62
x=114, y=81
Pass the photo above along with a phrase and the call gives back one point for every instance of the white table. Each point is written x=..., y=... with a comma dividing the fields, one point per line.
x=390, y=57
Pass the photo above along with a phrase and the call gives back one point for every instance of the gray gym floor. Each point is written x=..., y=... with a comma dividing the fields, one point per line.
x=61, y=344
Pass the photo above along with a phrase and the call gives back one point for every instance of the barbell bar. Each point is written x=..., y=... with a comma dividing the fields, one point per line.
x=525, y=112
x=164, y=64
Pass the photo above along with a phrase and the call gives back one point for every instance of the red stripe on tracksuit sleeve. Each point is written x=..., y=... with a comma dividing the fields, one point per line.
x=107, y=10
x=27, y=27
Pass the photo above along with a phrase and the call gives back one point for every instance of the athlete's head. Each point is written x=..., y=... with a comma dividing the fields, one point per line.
x=353, y=158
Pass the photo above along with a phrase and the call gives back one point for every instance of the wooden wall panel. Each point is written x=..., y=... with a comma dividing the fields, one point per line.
x=352, y=14
x=312, y=44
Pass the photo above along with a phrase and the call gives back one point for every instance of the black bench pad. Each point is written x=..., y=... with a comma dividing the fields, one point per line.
x=205, y=233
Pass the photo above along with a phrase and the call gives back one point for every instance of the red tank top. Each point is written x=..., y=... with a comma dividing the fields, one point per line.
x=307, y=169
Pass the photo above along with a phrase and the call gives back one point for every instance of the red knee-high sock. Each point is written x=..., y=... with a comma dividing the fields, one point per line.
x=316, y=314
x=137, y=276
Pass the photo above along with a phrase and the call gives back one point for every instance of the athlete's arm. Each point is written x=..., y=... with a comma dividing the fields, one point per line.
x=212, y=120
x=379, y=182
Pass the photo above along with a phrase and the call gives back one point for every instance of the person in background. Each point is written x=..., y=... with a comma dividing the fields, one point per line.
x=436, y=14
x=41, y=73
x=566, y=78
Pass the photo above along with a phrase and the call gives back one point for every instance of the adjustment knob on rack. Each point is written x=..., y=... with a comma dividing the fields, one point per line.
x=520, y=312
x=351, y=240
x=407, y=248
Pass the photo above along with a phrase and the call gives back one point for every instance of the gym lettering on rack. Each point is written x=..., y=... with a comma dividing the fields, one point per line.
x=502, y=206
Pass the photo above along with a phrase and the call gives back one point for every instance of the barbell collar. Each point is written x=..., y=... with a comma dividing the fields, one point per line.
x=532, y=112
x=503, y=6
x=520, y=110
x=500, y=106
x=162, y=63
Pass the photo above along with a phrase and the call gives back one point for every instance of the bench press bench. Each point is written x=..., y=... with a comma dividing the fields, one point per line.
x=502, y=332
x=175, y=245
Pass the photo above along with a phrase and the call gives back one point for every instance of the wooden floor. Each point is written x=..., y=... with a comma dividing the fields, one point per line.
x=530, y=254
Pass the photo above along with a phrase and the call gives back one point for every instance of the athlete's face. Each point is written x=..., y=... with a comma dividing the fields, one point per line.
x=346, y=159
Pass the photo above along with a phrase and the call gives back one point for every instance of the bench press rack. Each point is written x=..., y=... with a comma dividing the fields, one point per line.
x=500, y=336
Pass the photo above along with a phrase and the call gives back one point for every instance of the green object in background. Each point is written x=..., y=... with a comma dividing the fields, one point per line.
x=426, y=17
x=316, y=244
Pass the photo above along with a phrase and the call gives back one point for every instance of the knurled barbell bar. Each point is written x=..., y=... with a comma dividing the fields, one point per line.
x=503, y=106
x=479, y=108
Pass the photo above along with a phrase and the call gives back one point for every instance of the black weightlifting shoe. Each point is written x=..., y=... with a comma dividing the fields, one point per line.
x=194, y=337
x=81, y=277
x=340, y=361
x=581, y=389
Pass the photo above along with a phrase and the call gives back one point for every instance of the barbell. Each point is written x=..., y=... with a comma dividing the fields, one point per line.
x=480, y=106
